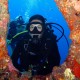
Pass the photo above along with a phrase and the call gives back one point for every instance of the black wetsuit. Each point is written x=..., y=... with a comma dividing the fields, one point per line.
x=44, y=54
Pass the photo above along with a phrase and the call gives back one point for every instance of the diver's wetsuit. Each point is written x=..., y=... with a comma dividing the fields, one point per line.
x=44, y=54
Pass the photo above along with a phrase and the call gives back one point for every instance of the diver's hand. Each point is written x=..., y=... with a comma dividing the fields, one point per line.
x=31, y=53
x=8, y=41
x=27, y=73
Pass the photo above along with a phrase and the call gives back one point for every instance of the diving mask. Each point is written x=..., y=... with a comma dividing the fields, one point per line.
x=35, y=28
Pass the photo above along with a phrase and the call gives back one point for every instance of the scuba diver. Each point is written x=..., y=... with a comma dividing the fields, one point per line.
x=37, y=48
x=14, y=27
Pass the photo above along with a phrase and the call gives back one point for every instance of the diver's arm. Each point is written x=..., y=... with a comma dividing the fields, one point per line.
x=56, y=54
x=15, y=56
x=53, y=52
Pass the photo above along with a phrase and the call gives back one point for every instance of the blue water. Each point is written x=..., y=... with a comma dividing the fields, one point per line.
x=50, y=11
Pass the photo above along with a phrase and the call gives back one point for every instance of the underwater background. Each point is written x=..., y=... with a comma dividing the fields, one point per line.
x=48, y=9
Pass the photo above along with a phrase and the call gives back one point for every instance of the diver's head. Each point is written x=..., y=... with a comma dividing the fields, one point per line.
x=36, y=26
x=19, y=20
x=20, y=24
